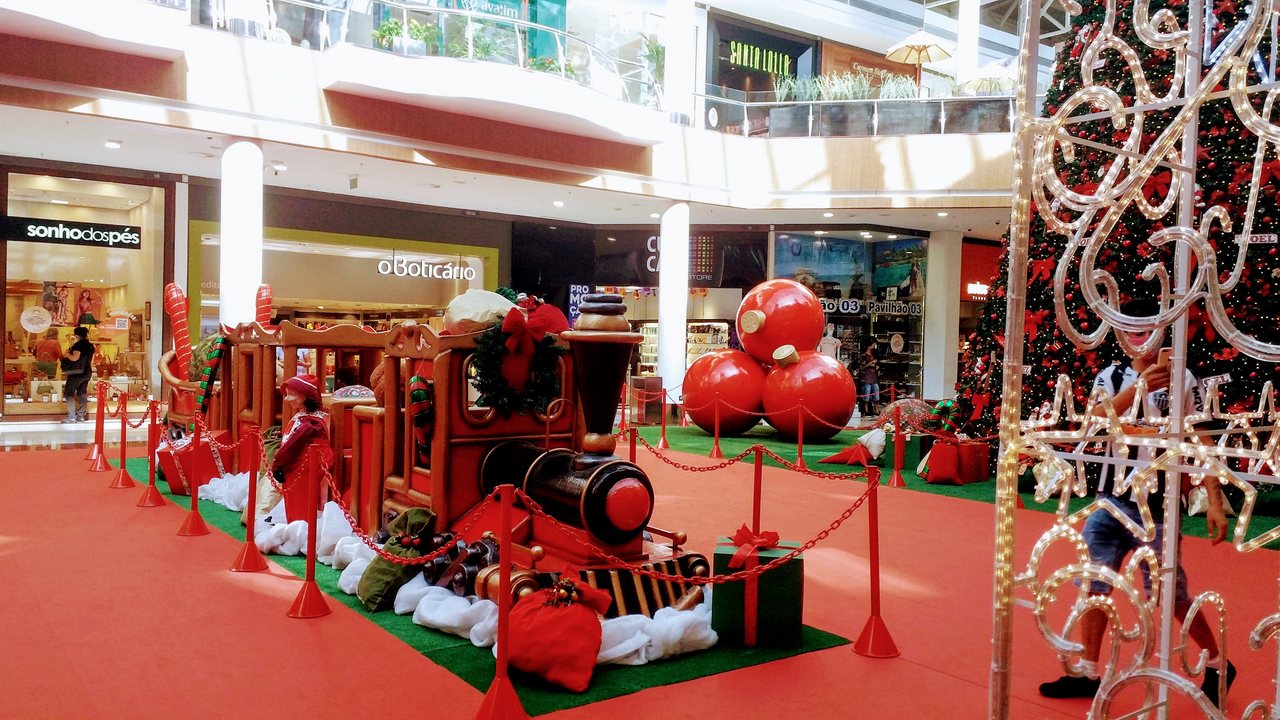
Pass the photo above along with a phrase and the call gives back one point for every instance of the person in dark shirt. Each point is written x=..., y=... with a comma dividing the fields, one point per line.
x=79, y=367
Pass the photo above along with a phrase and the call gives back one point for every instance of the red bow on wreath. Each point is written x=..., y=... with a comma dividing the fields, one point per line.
x=523, y=335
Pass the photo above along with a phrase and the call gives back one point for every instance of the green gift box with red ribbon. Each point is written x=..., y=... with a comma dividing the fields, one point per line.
x=765, y=609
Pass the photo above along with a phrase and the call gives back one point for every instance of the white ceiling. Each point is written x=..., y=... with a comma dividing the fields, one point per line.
x=72, y=137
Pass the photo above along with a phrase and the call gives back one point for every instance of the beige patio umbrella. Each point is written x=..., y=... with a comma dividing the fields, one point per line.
x=991, y=78
x=917, y=49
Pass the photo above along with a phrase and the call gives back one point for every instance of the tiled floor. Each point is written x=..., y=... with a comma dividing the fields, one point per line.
x=40, y=435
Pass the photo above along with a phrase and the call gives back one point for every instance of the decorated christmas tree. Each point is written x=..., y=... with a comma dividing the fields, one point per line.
x=1226, y=173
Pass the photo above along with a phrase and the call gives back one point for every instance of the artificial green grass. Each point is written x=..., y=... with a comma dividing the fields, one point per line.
x=476, y=665
x=694, y=440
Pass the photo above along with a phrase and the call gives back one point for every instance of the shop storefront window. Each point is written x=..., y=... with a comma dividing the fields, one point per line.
x=79, y=253
x=870, y=291
x=317, y=284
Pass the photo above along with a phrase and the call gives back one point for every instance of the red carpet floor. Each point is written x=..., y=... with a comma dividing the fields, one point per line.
x=108, y=614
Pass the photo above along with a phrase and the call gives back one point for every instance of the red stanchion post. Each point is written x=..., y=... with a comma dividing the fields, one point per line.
x=193, y=524
x=95, y=449
x=97, y=454
x=250, y=559
x=899, y=450
x=122, y=480
x=800, y=442
x=662, y=440
x=501, y=701
x=622, y=425
x=875, y=640
x=310, y=602
x=756, y=491
x=151, y=496
x=632, y=440
x=684, y=416
x=716, y=454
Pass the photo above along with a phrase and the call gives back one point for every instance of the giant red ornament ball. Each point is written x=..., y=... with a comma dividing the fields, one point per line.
x=734, y=378
x=776, y=313
x=812, y=383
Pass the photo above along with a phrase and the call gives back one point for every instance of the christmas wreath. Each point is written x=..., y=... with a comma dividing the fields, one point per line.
x=502, y=354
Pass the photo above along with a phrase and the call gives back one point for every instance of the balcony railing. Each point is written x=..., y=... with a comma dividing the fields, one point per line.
x=417, y=31
x=859, y=118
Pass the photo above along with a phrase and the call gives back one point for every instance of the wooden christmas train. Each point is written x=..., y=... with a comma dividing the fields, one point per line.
x=429, y=436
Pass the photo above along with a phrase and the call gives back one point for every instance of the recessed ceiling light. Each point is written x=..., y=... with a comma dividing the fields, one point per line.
x=59, y=202
x=319, y=307
x=113, y=144
x=943, y=214
x=551, y=227
x=558, y=203
x=655, y=216
x=279, y=166
x=819, y=232
x=893, y=237
x=827, y=214
x=613, y=239
x=431, y=186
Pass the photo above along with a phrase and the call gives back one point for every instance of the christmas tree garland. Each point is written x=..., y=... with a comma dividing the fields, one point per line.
x=494, y=389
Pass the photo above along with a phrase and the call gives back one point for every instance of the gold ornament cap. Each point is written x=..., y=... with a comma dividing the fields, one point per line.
x=751, y=321
x=786, y=355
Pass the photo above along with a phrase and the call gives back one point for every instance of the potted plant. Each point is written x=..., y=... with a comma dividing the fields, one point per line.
x=906, y=117
x=792, y=121
x=844, y=114
x=552, y=65
x=394, y=36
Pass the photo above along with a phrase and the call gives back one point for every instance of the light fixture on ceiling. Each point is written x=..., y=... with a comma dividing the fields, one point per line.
x=892, y=237
x=113, y=144
x=279, y=166
x=655, y=216
x=828, y=214
x=319, y=307
x=943, y=214
x=558, y=203
x=613, y=239
x=551, y=227
x=819, y=232
x=59, y=202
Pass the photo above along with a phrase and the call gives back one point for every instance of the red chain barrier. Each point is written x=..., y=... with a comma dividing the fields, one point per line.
x=619, y=563
x=97, y=454
x=194, y=524
x=310, y=602
x=122, y=480
x=151, y=496
x=250, y=558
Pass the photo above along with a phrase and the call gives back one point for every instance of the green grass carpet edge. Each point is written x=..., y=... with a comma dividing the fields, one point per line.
x=475, y=666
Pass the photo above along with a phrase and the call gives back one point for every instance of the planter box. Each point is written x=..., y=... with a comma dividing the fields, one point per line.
x=789, y=121
x=851, y=119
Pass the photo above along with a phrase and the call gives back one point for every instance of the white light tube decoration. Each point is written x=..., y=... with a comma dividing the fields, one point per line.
x=240, y=245
x=673, y=297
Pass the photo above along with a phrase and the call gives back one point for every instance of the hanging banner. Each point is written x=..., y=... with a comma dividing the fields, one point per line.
x=65, y=232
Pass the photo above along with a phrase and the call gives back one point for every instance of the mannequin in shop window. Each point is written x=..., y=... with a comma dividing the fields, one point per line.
x=47, y=351
x=309, y=427
x=77, y=367
x=84, y=308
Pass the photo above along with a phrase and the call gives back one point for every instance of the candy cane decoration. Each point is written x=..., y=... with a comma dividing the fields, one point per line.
x=207, y=376
x=175, y=306
x=263, y=305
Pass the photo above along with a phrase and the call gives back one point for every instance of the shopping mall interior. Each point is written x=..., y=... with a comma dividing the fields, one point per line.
x=372, y=163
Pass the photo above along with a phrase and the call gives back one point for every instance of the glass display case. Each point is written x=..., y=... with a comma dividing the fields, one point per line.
x=702, y=336
x=900, y=341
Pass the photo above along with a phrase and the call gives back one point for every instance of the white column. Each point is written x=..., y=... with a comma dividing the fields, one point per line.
x=680, y=37
x=673, y=296
x=967, y=40
x=240, y=243
x=942, y=314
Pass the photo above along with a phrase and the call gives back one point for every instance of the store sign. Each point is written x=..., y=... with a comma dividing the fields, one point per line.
x=846, y=306
x=491, y=7
x=895, y=307
x=400, y=266
x=576, y=294
x=757, y=58
x=65, y=232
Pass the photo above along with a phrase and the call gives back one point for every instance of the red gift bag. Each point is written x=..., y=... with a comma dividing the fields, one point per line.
x=944, y=463
x=555, y=634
